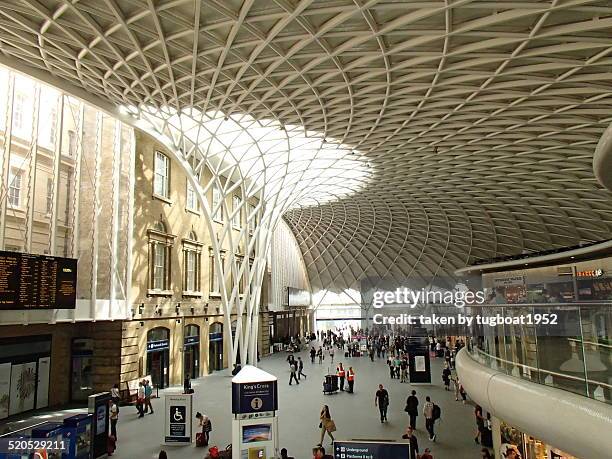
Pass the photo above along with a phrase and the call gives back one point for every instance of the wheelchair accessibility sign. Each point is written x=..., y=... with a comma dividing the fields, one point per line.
x=178, y=418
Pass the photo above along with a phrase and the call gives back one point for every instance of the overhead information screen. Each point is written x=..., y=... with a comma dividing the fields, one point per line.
x=29, y=281
x=370, y=450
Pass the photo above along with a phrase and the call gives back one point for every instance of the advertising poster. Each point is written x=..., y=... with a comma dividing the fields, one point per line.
x=419, y=363
x=5, y=389
x=100, y=419
x=23, y=387
x=42, y=394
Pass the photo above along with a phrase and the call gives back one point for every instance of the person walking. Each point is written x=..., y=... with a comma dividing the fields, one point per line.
x=462, y=393
x=428, y=412
x=413, y=442
x=381, y=400
x=404, y=371
x=480, y=423
x=456, y=386
x=313, y=354
x=446, y=375
x=350, y=377
x=285, y=454
x=320, y=355
x=162, y=455
x=331, y=354
x=148, y=390
x=114, y=417
x=293, y=375
x=301, y=368
x=140, y=399
x=116, y=395
x=341, y=375
x=327, y=425
x=412, y=408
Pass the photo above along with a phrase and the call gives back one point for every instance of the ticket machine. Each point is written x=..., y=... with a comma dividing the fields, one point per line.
x=77, y=433
x=52, y=432
x=254, y=406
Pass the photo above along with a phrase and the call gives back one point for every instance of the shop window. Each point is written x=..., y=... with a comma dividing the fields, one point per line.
x=237, y=212
x=160, y=247
x=162, y=175
x=15, y=182
x=217, y=199
x=192, y=261
x=81, y=368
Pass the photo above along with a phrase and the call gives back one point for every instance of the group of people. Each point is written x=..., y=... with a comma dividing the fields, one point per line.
x=296, y=369
x=348, y=375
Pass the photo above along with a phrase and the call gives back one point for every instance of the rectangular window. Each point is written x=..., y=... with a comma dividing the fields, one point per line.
x=237, y=209
x=214, y=279
x=52, y=127
x=159, y=267
x=14, y=192
x=217, y=198
x=49, y=206
x=18, y=111
x=73, y=144
x=253, y=219
x=192, y=200
x=191, y=271
x=162, y=169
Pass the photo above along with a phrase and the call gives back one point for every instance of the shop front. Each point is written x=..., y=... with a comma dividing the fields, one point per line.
x=215, y=347
x=191, y=343
x=158, y=356
x=25, y=365
x=528, y=446
x=81, y=369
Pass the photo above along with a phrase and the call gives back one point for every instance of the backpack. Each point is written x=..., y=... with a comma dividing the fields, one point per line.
x=436, y=412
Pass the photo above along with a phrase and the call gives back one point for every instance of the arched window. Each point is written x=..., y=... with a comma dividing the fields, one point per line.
x=158, y=334
x=192, y=330
x=160, y=246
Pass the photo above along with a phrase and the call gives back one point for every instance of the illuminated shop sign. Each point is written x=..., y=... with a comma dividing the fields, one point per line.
x=590, y=273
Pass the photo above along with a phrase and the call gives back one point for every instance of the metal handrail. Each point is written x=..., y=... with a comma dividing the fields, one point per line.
x=30, y=427
x=552, y=373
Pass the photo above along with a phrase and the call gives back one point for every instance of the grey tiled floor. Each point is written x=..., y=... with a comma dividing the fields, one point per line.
x=355, y=414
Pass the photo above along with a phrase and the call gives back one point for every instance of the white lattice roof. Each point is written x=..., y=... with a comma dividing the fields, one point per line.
x=476, y=120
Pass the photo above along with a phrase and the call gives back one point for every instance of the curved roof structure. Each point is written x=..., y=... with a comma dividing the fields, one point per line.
x=476, y=120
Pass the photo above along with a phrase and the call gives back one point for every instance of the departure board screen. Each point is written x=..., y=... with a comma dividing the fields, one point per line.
x=29, y=281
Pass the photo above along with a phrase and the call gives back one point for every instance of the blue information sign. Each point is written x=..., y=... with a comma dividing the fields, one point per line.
x=370, y=450
x=254, y=397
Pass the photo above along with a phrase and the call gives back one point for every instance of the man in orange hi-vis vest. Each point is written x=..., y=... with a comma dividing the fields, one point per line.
x=341, y=373
x=350, y=377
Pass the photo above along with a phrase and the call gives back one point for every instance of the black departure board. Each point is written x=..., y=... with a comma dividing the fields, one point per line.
x=29, y=281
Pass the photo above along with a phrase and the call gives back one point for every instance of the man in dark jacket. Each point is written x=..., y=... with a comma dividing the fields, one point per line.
x=414, y=443
x=412, y=408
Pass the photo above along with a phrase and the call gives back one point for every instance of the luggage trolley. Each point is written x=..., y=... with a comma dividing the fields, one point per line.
x=330, y=384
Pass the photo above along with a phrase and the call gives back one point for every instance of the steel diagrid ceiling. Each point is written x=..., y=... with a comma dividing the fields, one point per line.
x=469, y=126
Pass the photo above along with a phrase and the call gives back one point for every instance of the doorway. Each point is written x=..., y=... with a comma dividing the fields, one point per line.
x=158, y=356
x=215, y=347
x=191, y=357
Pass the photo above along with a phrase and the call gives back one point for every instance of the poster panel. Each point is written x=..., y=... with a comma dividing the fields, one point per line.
x=5, y=389
x=42, y=393
x=23, y=387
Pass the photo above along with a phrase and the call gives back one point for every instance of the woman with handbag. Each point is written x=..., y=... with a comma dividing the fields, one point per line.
x=326, y=424
x=205, y=426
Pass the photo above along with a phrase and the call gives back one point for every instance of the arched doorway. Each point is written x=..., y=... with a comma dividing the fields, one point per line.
x=158, y=356
x=191, y=355
x=215, y=346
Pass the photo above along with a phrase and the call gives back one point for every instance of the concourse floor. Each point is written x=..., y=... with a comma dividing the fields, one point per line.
x=355, y=415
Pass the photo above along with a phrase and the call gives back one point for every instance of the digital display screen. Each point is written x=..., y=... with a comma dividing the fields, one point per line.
x=255, y=433
x=29, y=281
